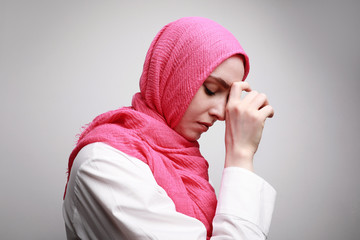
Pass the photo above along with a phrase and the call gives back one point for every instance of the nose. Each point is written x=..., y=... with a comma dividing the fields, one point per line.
x=218, y=110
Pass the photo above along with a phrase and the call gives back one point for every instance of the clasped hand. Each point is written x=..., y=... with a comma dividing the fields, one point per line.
x=244, y=120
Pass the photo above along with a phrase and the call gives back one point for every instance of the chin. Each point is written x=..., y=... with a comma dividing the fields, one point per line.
x=192, y=137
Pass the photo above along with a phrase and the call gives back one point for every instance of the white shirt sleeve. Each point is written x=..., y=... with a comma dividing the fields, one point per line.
x=112, y=195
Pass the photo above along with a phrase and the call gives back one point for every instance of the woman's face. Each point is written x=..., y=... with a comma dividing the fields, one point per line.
x=208, y=104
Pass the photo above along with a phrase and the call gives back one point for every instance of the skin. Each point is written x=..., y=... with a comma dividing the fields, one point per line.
x=219, y=98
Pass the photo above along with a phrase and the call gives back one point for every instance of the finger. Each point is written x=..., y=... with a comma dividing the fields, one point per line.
x=267, y=111
x=237, y=88
x=259, y=101
x=250, y=97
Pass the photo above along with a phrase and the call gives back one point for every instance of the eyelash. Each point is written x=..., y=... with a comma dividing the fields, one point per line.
x=208, y=92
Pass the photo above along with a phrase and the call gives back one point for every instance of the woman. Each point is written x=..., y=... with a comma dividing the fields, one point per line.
x=137, y=173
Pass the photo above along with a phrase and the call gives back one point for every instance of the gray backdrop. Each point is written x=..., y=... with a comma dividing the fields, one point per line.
x=64, y=62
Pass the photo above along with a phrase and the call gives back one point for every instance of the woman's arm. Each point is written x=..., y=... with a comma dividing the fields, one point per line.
x=245, y=206
x=114, y=196
x=245, y=120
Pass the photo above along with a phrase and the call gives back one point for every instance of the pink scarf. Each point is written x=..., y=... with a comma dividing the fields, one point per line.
x=180, y=58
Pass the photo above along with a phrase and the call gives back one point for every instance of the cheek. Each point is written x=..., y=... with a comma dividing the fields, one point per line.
x=201, y=102
x=185, y=129
x=179, y=128
x=194, y=109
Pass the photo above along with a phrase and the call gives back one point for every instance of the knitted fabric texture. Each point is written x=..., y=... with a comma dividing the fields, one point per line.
x=180, y=58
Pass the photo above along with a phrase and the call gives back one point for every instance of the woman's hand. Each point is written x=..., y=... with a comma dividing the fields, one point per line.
x=245, y=119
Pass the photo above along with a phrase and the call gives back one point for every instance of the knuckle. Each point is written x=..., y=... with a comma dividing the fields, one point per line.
x=236, y=84
x=229, y=107
x=253, y=116
x=233, y=108
x=237, y=109
x=245, y=84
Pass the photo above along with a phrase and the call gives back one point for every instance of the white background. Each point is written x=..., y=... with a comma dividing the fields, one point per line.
x=64, y=62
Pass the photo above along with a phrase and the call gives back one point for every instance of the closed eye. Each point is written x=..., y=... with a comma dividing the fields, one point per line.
x=208, y=92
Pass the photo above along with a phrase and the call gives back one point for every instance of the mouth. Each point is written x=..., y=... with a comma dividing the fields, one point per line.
x=205, y=126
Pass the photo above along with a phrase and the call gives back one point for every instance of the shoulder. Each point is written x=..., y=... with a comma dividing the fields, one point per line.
x=101, y=164
x=98, y=152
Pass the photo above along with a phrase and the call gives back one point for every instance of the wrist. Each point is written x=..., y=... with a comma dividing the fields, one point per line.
x=243, y=159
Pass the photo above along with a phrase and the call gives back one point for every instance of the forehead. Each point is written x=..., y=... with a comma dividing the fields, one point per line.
x=231, y=70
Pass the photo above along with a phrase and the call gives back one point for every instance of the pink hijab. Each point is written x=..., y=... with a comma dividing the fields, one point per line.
x=180, y=58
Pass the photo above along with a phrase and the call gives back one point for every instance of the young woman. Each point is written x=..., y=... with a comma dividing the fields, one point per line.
x=137, y=172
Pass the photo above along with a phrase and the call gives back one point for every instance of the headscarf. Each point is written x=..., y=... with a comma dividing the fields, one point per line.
x=182, y=55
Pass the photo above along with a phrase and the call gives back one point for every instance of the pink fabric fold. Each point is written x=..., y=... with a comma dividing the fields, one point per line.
x=180, y=58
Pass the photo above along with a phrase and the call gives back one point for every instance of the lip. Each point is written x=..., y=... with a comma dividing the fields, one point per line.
x=205, y=126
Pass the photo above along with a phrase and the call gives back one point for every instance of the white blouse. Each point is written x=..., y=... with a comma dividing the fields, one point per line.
x=111, y=195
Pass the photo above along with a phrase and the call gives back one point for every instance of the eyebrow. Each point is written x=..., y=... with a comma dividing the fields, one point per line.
x=221, y=81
